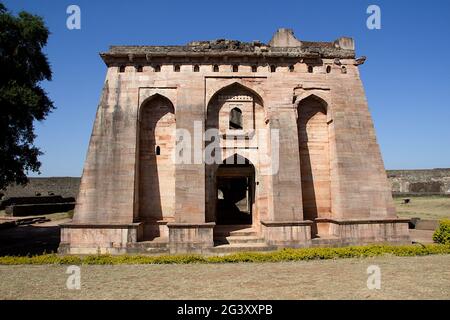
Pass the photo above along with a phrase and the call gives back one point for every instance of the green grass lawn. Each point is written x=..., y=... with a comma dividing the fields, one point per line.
x=426, y=207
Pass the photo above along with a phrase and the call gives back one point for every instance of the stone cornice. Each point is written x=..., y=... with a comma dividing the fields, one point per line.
x=224, y=49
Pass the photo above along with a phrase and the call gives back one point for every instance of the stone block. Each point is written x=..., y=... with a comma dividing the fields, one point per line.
x=190, y=237
x=291, y=234
x=98, y=238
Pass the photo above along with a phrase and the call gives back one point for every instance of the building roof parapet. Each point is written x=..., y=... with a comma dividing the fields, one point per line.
x=282, y=45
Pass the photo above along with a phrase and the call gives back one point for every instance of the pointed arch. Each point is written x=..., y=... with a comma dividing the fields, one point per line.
x=235, y=122
x=313, y=97
x=156, y=96
x=233, y=96
x=236, y=159
x=238, y=87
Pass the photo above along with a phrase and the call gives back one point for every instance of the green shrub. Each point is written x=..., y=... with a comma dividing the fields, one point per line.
x=276, y=256
x=442, y=233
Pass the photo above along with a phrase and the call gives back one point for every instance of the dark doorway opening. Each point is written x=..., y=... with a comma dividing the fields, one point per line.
x=235, y=194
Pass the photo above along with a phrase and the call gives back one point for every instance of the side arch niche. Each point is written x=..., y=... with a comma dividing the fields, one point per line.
x=314, y=146
x=156, y=172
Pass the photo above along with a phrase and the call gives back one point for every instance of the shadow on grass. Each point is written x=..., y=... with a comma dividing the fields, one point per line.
x=29, y=240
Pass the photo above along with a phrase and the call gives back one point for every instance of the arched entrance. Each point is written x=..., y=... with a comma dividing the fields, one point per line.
x=236, y=196
x=156, y=196
x=237, y=113
x=235, y=190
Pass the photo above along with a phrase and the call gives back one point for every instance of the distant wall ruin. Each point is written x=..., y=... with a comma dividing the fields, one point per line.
x=63, y=186
x=426, y=181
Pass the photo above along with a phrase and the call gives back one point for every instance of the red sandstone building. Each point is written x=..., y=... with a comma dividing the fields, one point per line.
x=299, y=164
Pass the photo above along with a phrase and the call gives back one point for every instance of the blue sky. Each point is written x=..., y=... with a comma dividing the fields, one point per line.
x=406, y=75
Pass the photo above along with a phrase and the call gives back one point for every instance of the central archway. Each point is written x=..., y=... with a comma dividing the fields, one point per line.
x=237, y=114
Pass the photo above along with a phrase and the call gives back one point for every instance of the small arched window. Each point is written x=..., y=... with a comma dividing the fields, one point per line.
x=215, y=68
x=121, y=69
x=273, y=68
x=254, y=68
x=138, y=68
x=343, y=69
x=196, y=68
x=235, y=68
x=158, y=150
x=157, y=68
x=291, y=68
x=236, y=119
x=176, y=68
x=328, y=69
x=310, y=69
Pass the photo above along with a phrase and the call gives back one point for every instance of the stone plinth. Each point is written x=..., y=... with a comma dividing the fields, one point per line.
x=190, y=237
x=366, y=231
x=98, y=238
x=287, y=233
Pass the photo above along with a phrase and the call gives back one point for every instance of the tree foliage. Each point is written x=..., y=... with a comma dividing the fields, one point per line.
x=23, y=66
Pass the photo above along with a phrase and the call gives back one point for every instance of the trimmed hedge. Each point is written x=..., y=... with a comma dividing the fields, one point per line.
x=442, y=233
x=276, y=256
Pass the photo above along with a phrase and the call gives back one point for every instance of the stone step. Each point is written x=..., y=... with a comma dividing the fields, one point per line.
x=226, y=230
x=244, y=239
x=244, y=232
x=154, y=244
x=147, y=250
x=154, y=251
x=242, y=247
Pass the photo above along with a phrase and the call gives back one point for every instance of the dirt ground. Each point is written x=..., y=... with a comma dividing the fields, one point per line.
x=430, y=207
x=401, y=278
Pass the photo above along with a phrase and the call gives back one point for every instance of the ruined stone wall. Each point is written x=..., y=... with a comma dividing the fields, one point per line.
x=431, y=181
x=64, y=186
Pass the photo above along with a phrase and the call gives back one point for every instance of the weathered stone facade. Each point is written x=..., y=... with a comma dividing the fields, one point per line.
x=324, y=183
